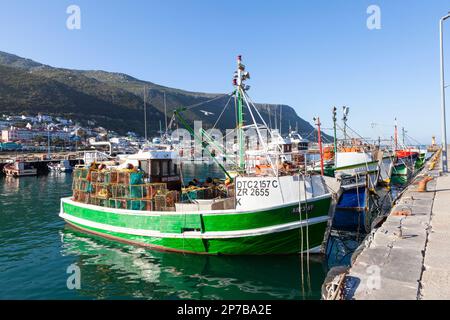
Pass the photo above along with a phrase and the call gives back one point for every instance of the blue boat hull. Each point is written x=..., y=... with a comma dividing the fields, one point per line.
x=350, y=213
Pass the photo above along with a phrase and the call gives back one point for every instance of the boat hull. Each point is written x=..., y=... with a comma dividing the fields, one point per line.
x=272, y=231
x=350, y=214
x=400, y=169
x=386, y=166
x=20, y=173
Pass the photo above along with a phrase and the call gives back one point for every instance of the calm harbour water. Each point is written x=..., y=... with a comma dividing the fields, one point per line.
x=37, y=248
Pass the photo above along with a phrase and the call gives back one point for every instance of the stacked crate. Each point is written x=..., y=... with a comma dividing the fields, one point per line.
x=121, y=189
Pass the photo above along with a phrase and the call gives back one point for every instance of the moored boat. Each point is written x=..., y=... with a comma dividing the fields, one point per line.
x=351, y=210
x=355, y=167
x=265, y=217
x=62, y=166
x=271, y=212
x=386, y=167
x=19, y=169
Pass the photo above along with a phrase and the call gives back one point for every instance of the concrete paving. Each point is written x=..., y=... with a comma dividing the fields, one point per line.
x=435, y=283
x=408, y=257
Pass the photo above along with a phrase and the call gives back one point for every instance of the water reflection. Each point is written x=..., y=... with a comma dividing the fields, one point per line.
x=37, y=248
x=111, y=270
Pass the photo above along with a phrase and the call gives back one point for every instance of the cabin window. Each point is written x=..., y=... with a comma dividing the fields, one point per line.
x=165, y=168
x=173, y=168
x=144, y=165
x=155, y=168
x=170, y=164
x=287, y=148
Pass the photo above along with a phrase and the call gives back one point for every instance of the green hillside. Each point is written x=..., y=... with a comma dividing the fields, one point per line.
x=113, y=100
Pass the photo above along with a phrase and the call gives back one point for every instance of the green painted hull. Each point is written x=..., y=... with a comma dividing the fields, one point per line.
x=327, y=171
x=400, y=170
x=420, y=161
x=274, y=231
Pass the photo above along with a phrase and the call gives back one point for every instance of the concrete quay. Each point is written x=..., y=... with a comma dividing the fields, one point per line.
x=408, y=257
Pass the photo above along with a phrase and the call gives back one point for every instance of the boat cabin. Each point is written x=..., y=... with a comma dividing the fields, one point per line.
x=299, y=143
x=19, y=169
x=158, y=166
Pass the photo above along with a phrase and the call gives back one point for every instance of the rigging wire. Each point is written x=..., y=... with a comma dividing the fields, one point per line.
x=208, y=101
x=226, y=105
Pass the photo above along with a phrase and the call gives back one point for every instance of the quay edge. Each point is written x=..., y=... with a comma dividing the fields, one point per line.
x=406, y=258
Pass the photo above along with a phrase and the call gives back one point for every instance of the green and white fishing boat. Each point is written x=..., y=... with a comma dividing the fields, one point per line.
x=270, y=213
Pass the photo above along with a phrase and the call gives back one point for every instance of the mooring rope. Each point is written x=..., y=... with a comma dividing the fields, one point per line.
x=307, y=232
x=301, y=234
x=358, y=211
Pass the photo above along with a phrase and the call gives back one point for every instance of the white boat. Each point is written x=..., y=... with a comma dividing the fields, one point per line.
x=354, y=167
x=19, y=169
x=62, y=166
x=298, y=142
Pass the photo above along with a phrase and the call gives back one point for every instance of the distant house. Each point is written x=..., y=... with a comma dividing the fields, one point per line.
x=119, y=141
x=28, y=135
x=63, y=121
x=44, y=118
x=131, y=134
x=4, y=124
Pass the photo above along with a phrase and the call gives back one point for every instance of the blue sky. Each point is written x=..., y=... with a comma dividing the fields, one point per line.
x=310, y=54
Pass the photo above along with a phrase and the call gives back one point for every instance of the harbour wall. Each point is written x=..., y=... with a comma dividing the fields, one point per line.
x=407, y=257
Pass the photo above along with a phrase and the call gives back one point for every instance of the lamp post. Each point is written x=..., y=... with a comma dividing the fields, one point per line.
x=444, y=129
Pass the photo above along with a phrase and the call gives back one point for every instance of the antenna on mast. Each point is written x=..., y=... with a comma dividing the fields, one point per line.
x=345, y=111
x=334, y=131
x=240, y=75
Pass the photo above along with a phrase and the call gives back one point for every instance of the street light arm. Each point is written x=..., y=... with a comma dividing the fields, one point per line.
x=445, y=17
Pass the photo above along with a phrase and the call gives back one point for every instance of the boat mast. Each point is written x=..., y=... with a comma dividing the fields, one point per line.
x=48, y=142
x=238, y=82
x=403, y=135
x=335, y=135
x=320, y=143
x=395, y=135
x=145, y=112
x=345, y=110
x=165, y=114
x=178, y=113
x=281, y=115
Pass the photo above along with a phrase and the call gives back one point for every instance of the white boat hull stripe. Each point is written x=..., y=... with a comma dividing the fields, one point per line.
x=68, y=200
x=196, y=234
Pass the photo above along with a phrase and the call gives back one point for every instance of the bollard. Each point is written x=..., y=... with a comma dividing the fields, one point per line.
x=423, y=184
x=402, y=213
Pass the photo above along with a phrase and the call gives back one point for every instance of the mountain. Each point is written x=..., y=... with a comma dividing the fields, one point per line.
x=115, y=100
